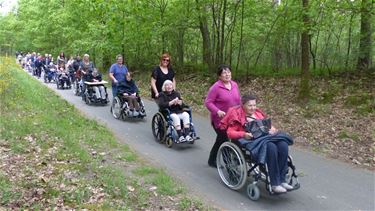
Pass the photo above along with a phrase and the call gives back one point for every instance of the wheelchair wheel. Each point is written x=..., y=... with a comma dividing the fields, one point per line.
x=253, y=192
x=75, y=88
x=159, y=127
x=116, y=108
x=169, y=142
x=231, y=166
x=87, y=99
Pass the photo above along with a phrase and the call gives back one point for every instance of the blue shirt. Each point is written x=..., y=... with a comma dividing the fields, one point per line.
x=119, y=72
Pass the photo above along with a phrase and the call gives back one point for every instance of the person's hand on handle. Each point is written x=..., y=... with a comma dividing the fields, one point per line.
x=221, y=113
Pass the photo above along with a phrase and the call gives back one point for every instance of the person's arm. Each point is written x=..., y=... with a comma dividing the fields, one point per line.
x=111, y=72
x=153, y=84
x=234, y=132
x=162, y=101
x=210, y=101
x=174, y=83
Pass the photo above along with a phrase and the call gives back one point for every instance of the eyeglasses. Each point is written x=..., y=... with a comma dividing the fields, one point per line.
x=166, y=60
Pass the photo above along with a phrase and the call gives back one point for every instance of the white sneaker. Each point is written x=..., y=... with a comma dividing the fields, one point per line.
x=189, y=138
x=286, y=186
x=135, y=113
x=278, y=189
x=181, y=139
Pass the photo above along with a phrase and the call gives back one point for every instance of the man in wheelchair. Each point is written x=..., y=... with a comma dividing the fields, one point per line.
x=129, y=91
x=267, y=145
x=171, y=99
x=96, y=92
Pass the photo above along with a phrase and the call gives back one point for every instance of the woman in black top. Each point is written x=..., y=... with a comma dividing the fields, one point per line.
x=160, y=74
x=171, y=99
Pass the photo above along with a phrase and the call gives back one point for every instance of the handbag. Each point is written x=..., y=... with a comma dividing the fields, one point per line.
x=258, y=127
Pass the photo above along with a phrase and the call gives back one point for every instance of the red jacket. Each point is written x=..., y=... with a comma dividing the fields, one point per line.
x=234, y=121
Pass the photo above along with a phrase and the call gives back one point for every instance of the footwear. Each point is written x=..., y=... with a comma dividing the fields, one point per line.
x=135, y=113
x=278, y=189
x=181, y=139
x=189, y=138
x=286, y=186
x=212, y=164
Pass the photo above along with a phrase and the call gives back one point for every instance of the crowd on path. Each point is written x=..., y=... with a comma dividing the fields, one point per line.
x=233, y=117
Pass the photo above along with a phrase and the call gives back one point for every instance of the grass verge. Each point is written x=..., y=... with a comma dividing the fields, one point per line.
x=51, y=157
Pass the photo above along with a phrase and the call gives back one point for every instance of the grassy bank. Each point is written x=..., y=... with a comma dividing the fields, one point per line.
x=52, y=157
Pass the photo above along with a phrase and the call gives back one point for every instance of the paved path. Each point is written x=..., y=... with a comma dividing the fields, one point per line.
x=325, y=184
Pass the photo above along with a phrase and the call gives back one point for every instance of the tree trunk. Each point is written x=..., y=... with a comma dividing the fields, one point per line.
x=349, y=41
x=203, y=27
x=365, y=44
x=241, y=36
x=304, y=92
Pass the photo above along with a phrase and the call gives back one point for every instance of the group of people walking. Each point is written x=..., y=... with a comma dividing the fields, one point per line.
x=229, y=112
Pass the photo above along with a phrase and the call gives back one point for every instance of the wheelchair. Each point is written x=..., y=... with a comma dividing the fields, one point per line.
x=77, y=87
x=120, y=108
x=235, y=165
x=164, y=131
x=88, y=94
x=49, y=74
x=63, y=81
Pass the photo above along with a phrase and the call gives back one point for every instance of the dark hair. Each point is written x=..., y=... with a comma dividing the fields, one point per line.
x=247, y=98
x=221, y=68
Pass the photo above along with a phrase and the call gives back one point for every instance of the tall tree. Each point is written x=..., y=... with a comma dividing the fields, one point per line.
x=365, y=43
x=304, y=92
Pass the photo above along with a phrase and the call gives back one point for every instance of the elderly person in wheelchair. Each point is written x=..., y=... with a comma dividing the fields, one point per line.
x=267, y=146
x=171, y=99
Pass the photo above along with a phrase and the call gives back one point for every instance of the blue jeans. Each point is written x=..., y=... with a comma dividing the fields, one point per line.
x=114, y=91
x=277, y=161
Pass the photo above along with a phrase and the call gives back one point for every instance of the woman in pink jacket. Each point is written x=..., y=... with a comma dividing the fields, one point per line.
x=222, y=95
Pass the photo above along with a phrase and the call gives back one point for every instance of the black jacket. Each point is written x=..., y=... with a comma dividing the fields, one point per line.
x=164, y=99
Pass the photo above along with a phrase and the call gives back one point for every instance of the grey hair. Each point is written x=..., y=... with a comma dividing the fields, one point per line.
x=118, y=56
x=165, y=83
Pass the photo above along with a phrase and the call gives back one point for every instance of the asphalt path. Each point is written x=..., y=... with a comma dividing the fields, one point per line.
x=325, y=184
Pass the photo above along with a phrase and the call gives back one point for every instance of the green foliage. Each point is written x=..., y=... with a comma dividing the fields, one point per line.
x=264, y=40
x=364, y=103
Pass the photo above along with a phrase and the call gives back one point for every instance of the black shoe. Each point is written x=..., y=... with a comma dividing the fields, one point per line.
x=212, y=164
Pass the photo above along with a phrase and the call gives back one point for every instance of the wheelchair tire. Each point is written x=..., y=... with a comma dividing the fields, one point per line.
x=159, y=127
x=75, y=90
x=231, y=165
x=87, y=99
x=253, y=191
x=169, y=142
x=116, y=108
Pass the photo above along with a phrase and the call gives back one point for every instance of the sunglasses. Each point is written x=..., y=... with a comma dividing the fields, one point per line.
x=166, y=60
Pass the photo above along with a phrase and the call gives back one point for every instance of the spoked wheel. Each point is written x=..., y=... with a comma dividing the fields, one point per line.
x=169, y=142
x=116, y=108
x=231, y=166
x=159, y=127
x=75, y=88
x=253, y=191
x=87, y=99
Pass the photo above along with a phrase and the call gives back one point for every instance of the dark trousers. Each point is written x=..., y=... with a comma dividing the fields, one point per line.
x=277, y=161
x=221, y=137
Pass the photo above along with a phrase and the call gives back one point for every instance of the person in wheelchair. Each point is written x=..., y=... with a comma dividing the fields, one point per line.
x=171, y=99
x=99, y=90
x=267, y=144
x=128, y=89
x=63, y=77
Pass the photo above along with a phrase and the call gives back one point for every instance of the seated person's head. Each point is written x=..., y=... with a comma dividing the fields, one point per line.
x=249, y=104
x=95, y=72
x=128, y=76
x=167, y=86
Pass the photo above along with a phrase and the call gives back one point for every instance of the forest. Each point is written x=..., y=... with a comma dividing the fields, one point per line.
x=253, y=36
